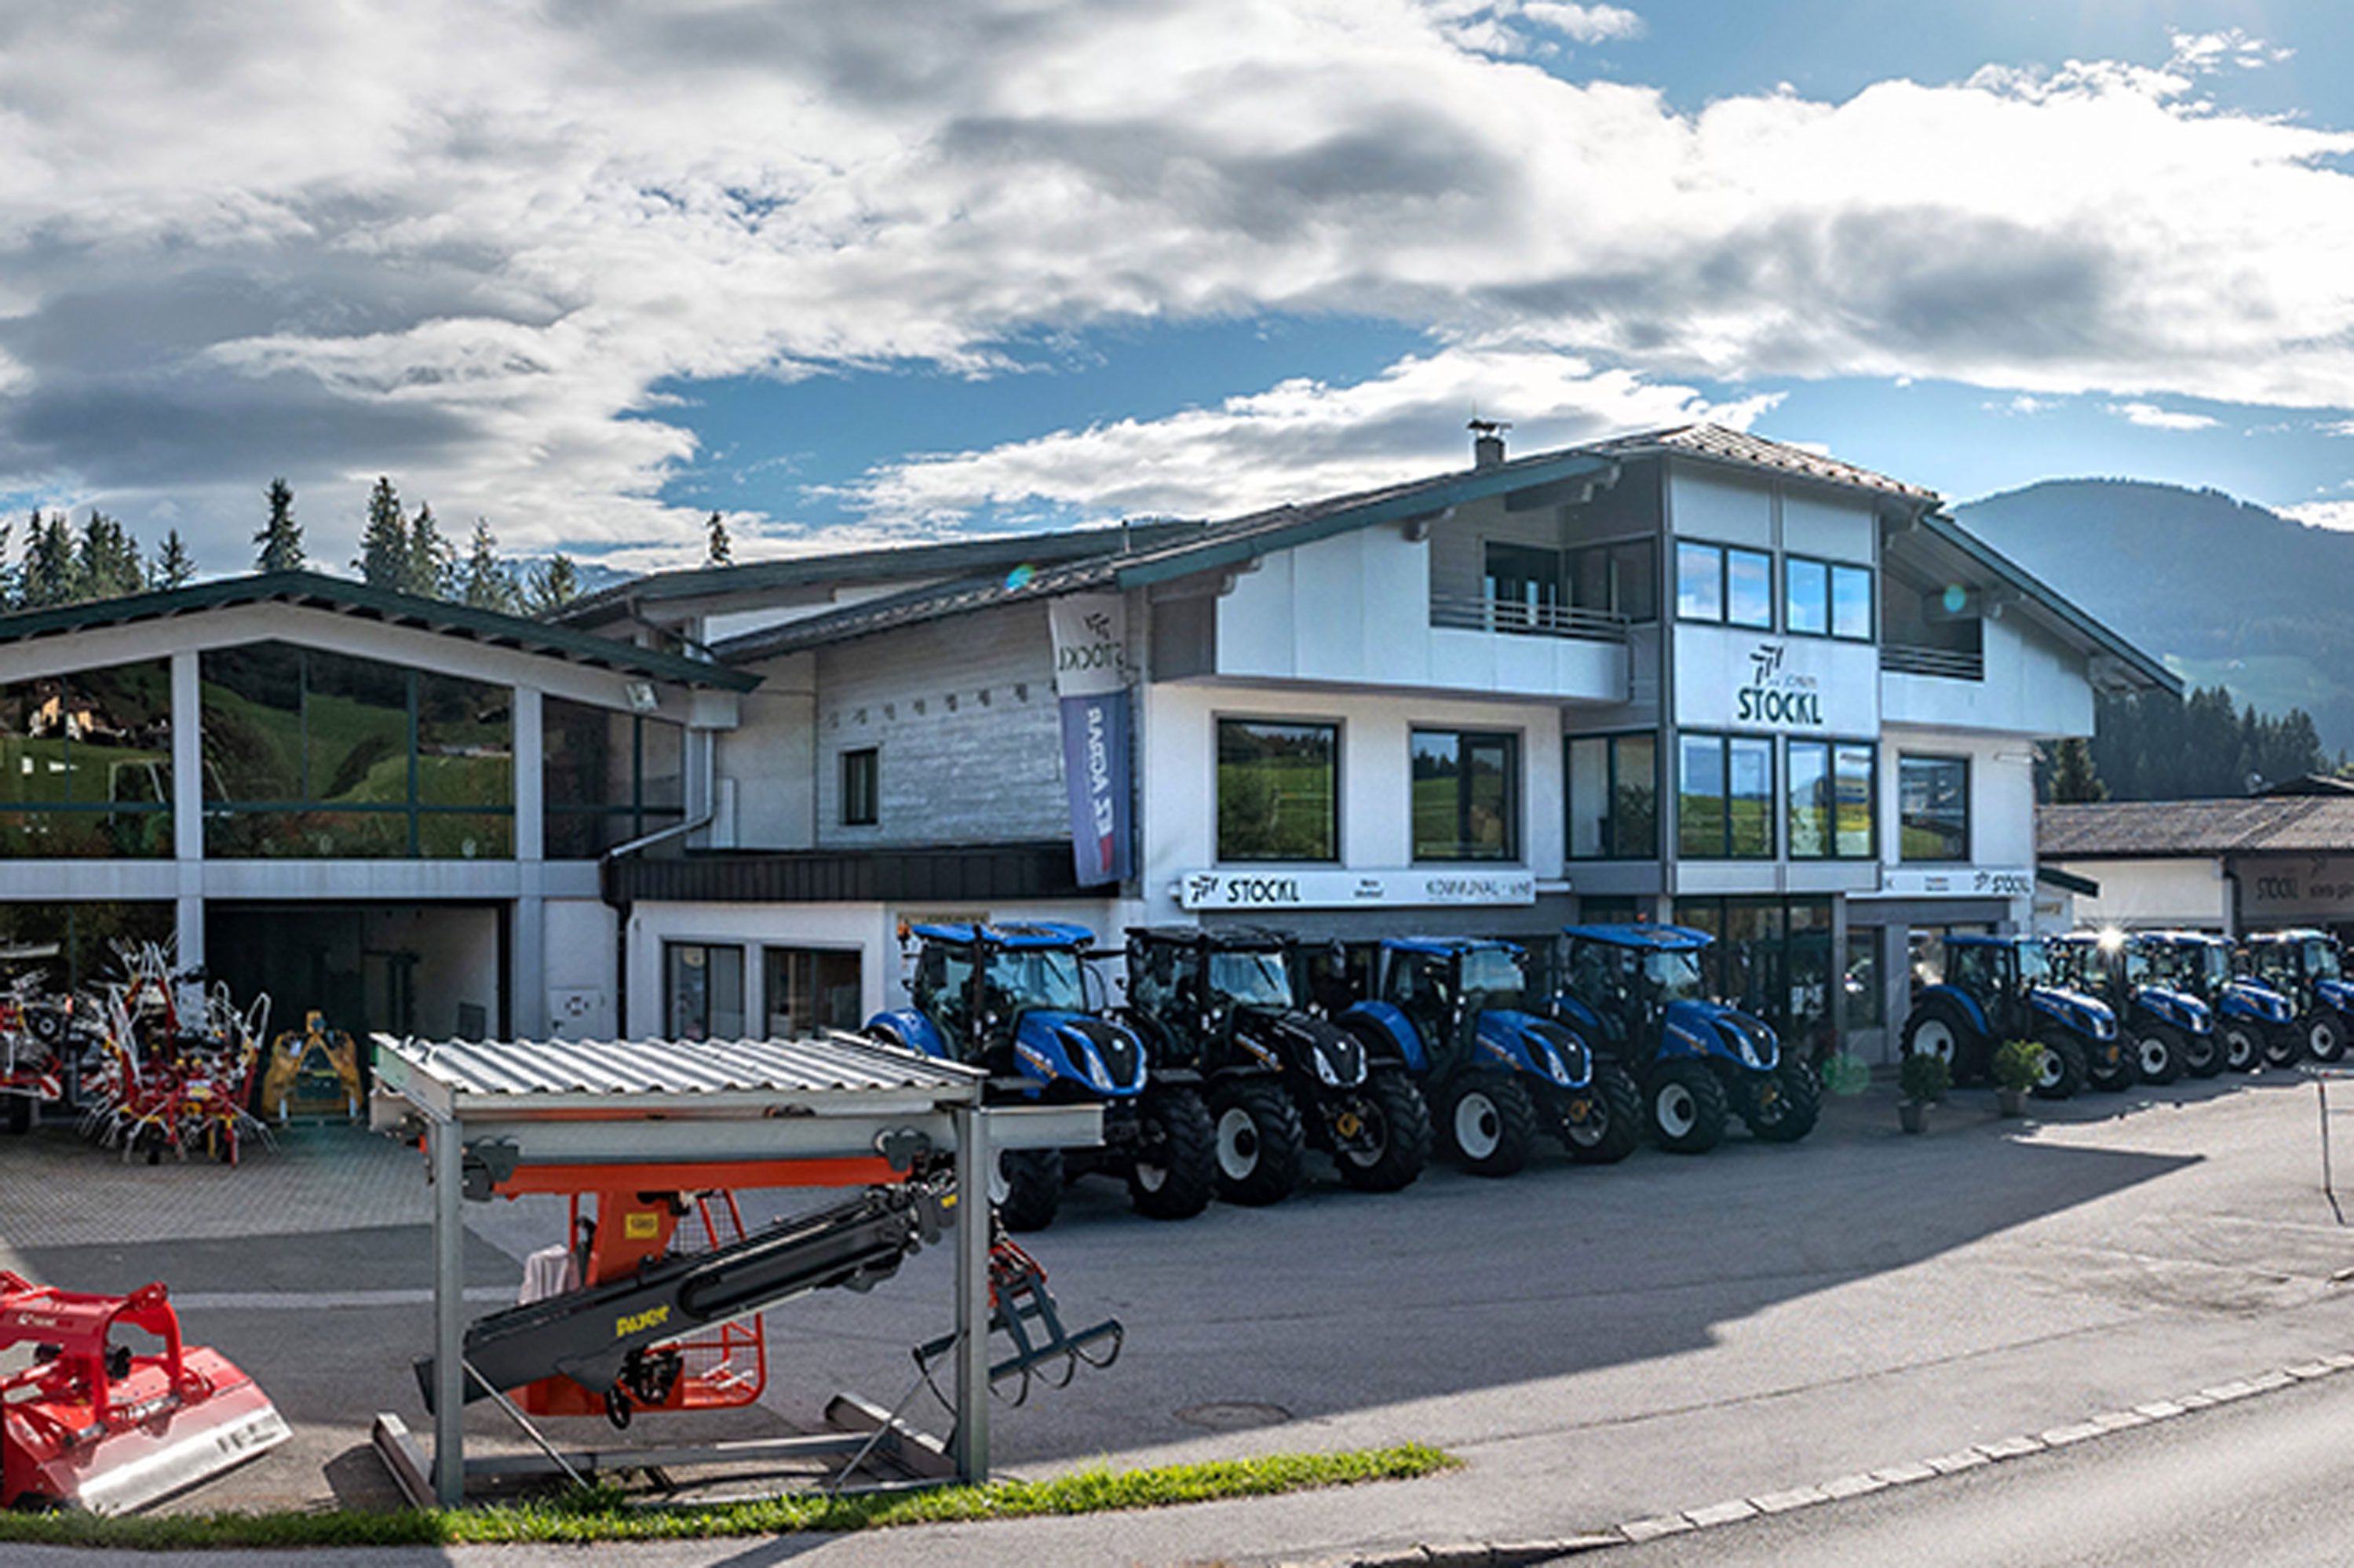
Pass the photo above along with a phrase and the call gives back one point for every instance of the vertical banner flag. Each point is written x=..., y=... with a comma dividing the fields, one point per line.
x=1091, y=686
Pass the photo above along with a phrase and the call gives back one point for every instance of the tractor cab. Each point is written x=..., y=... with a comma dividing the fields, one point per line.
x=2307, y=967
x=1203, y=998
x=1012, y=999
x=2168, y=1029
x=1997, y=989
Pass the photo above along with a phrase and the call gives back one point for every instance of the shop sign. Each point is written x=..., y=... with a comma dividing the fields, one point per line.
x=2279, y=890
x=1417, y=889
x=1958, y=882
x=1727, y=679
x=1091, y=634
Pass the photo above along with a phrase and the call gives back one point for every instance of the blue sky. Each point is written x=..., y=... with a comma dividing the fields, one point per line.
x=889, y=273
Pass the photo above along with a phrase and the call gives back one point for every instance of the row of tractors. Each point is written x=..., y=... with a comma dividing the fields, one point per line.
x=2114, y=1009
x=1234, y=1051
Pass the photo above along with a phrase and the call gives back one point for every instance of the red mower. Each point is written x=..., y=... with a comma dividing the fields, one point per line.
x=89, y=1424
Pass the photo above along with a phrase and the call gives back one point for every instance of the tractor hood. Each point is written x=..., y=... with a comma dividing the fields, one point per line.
x=2337, y=993
x=1528, y=1044
x=1317, y=1046
x=1713, y=1029
x=1076, y=1048
x=2087, y=1015
x=2180, y=1009
x=2252, y=999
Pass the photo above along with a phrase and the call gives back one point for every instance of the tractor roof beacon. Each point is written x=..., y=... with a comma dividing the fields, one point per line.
x=1995, y=990
x=1224, y=1003
x=1012, y=999
x=1637, y=993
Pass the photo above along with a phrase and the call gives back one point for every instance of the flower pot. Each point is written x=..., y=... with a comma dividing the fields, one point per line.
x=1912, y=1115
x=2011, y=1102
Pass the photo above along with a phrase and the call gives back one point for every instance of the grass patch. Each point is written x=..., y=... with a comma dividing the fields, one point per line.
x=603, y=1513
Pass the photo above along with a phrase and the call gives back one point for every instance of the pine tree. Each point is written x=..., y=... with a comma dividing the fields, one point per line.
x=2073, y=779
x=719, y=551
x=8, y=574
x=173, y=566
x=281, y=537
x=554, y=583
x=51, y=575
x=487, y=582
x=383, y=544
x=109, y=566
x=433, y=565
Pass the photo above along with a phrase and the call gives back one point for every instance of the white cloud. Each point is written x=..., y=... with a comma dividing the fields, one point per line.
x=461, y=243
x=2338, y=514
x=2204, y=53
x=2150, y=416
x=2026, y=405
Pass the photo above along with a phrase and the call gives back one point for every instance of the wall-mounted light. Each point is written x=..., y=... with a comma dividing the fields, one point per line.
x=642, y=697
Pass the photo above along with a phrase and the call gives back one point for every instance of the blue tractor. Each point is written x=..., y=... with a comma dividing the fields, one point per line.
x=2252, y=1024
x=2154, y=989
x=1012, y=999
x=2306, y=967
x=1637, y=993
x=1997, y=989
x=1455, y=1010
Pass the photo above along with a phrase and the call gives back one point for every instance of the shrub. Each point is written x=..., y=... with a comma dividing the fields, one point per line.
x=2019, y=1065
x=1924, y=1076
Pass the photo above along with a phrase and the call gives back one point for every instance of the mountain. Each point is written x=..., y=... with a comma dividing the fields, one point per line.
x=2225, y=591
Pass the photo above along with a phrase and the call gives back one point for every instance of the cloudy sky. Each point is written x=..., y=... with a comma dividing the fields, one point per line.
x=591, y=269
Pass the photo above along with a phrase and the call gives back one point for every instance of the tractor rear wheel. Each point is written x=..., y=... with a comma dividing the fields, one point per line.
x=1489, y=1123
x=1175, y=1169
x=1687, y=1108
x=1940, y=1029
x=1782, y=1106
x=1027, y=1187
x=1259, y=1141
x=2157, y=1053
x=2109, y=1064
x=2244, y=1044
x=1601, y=1124
x=2283, y=1046
x=2203, y=1054
x=2324, y=1034
x=2061, y=1072
x=1390, y=1142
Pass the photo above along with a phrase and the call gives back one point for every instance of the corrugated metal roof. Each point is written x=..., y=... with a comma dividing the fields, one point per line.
x=2123, y=830
x=648, y=1070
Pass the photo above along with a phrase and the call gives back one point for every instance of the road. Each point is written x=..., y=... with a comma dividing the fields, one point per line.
x=2254, y=1484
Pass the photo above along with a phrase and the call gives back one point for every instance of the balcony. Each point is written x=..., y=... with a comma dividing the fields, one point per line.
x=1526, y=619
x=1945, y=664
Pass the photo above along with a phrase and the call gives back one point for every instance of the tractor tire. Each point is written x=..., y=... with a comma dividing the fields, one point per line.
x=2326, y=1033
x=1392, y=1141
x=21, y=1114
x=1601, y=1124
x=2283, y=1046
x=1940, y=1029
x=2203, y=1054
x=1686, y=1108
x=2062, y=1072
x=1783, y=1106
x=1488, y=1124
x=1174, y=1170
x=2112, y=1074
x=2243, y=1043
x=1260, y=1144
x=2157, y=1053
x=1027, y=1187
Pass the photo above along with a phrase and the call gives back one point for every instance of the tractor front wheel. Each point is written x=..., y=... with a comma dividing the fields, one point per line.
x=1381, y=1136
x=2283, y=1046
x=1490, y=1125
x=1937, y=1028
x=2109, y=1065
x=1027, y=1187
x=2158, y=1053
x=1259, y=1141
x=1688, y=1108
x=1175, y=1169
x=1601, y=1124
x=2325, y=1035
x=2243, y=1045
x=2061, y=1072
x=1782, y=1106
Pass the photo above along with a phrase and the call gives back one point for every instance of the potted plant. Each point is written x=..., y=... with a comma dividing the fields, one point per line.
x=2017, y=1068
x=1922, y=1077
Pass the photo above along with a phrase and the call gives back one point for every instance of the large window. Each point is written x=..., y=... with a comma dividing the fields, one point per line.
x=1830, y=796
x=702, y=991
x=1725, y=797
x=313, y=755
x=1278, y=790
x=861, y=786
x=1824, y=599
x=1466, y=796
x=1622, y=579
x=86, y=763
x=1723, y=583
x=1523, y=584
x=1933, y=807
x=1613, y=797
x=810, y=988
x=1772, y=956
x=608, y=777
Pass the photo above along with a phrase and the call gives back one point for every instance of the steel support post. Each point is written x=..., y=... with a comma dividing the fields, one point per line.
x=972, y=1450
x=448, y=1315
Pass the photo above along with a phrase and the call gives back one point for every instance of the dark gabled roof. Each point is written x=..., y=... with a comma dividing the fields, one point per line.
x=2139, y=830
x=1715, y=443
x=314, y=590
x=950, y=558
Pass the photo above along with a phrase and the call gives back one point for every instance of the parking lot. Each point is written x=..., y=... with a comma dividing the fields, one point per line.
x=1626, y=1338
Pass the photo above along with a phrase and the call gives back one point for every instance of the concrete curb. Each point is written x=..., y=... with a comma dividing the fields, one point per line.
x=1523, y=1554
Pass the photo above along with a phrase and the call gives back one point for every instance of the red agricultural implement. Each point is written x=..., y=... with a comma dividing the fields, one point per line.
x=89, y=1423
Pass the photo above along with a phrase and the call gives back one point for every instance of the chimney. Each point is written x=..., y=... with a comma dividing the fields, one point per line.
x=1487, y=443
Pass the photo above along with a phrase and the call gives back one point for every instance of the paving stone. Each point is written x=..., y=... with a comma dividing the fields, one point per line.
x=2223, y=1393
x=1899, y=1475
x=2011, y=1447
x=2271, y=1382
x=2162, y=1409
x=2192, y=1401
x=1783, y=1502
x=1853, y=1485
x=1642, y=1530
x=2306, y=1372
x=2119, y=1420
x=1721, y=1513
x=2061, y=1437
x=2339, y=1362
x=1965, y=1459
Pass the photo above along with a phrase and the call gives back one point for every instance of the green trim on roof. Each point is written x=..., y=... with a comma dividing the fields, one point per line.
x=2052, y=876
x=2018, y=577
x=342, y=593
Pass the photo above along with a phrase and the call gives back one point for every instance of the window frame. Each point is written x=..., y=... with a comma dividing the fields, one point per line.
x=1906, y=758
x=1219, y=724
x=1513, y=838
x=1828, y=608
x=1831, y=748
x=1724, y=555
x=1614, y=554
x=859, y=775
x=1724, y=742
x=672, y=949
x=1612, y=743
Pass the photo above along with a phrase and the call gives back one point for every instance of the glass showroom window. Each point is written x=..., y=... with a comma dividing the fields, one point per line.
x=702, y=991
x=1725, y=797
x=861, y=786
x=1933, y=807
x=1613, y=797
x=608, y=776
x=1621, y=579
x=1699, y=582
x=1466, y=796
x=86, y=765
x=1851, y=603
x=313, y=755
x=1830, y=796
x=1278, y=790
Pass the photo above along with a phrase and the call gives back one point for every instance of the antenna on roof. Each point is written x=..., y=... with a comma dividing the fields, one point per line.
x=1486, y=441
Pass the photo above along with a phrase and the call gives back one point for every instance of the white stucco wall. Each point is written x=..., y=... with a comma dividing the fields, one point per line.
x=2145, y=893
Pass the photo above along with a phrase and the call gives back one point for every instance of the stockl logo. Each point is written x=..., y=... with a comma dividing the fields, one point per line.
x=1774, y=697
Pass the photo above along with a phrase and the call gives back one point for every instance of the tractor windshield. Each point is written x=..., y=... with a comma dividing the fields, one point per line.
x=1675, y=974
x=2215, y=960
x=1250, y=979
x=2321, y=960
x=2034, y=964
x=1020, y=978
x=1492, y=978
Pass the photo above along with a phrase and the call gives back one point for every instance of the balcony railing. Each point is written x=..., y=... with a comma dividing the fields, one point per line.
x=1526, y=619
x=1946, y=663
